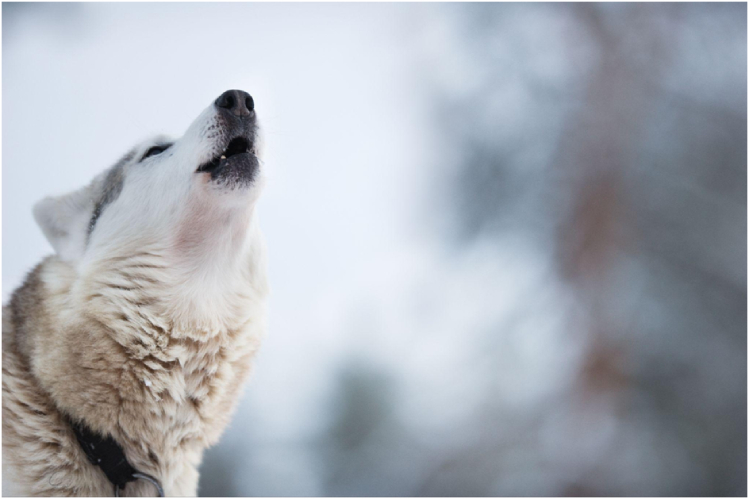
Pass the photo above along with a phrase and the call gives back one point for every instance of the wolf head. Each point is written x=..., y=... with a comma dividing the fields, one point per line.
x=183, y=206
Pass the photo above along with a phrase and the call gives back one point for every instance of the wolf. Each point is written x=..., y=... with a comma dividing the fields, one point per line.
x=125, y=351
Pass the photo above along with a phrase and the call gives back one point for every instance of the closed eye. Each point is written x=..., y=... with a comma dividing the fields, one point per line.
x=155, y=150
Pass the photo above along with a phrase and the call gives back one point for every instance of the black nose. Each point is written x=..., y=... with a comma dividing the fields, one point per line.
x=237, y=102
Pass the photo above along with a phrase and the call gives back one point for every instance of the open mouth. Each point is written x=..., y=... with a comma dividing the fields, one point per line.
x=237, y=146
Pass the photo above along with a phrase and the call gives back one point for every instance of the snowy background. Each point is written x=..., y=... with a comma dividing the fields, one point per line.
x=507, y=241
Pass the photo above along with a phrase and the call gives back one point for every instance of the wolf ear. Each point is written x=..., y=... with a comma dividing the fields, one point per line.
x=64, y=221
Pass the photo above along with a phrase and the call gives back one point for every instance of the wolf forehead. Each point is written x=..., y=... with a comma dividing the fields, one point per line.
x=115, y=175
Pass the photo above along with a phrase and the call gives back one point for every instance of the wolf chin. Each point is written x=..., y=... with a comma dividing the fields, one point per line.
x=145, y=322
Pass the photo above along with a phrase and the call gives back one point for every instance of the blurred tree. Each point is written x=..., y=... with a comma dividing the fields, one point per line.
x=642, y=198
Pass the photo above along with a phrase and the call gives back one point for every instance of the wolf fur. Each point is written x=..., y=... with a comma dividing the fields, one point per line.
x=145, y=322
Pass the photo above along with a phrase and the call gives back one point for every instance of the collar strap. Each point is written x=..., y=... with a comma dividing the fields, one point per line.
x=107, y=454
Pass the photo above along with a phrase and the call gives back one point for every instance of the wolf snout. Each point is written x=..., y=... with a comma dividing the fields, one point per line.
x=237, y=102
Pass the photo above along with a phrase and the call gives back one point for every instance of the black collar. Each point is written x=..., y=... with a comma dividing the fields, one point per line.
x=107, y=454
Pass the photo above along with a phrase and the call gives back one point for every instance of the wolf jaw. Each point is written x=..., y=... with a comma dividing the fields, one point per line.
x=237, y=145
x=235, y=166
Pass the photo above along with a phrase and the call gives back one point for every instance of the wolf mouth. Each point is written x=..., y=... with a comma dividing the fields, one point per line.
x=237, y=146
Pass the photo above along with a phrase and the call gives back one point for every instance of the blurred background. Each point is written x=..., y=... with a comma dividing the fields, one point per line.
x=507, y=241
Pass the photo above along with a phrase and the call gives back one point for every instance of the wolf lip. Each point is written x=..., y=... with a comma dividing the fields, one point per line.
x=238, y=145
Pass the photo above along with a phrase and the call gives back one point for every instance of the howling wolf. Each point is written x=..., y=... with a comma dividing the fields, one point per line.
x=124, y=352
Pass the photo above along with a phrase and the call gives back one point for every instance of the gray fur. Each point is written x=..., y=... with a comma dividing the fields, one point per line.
x=112, y=189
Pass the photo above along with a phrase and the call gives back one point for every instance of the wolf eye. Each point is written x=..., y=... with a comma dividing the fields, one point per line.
x=154, y=151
